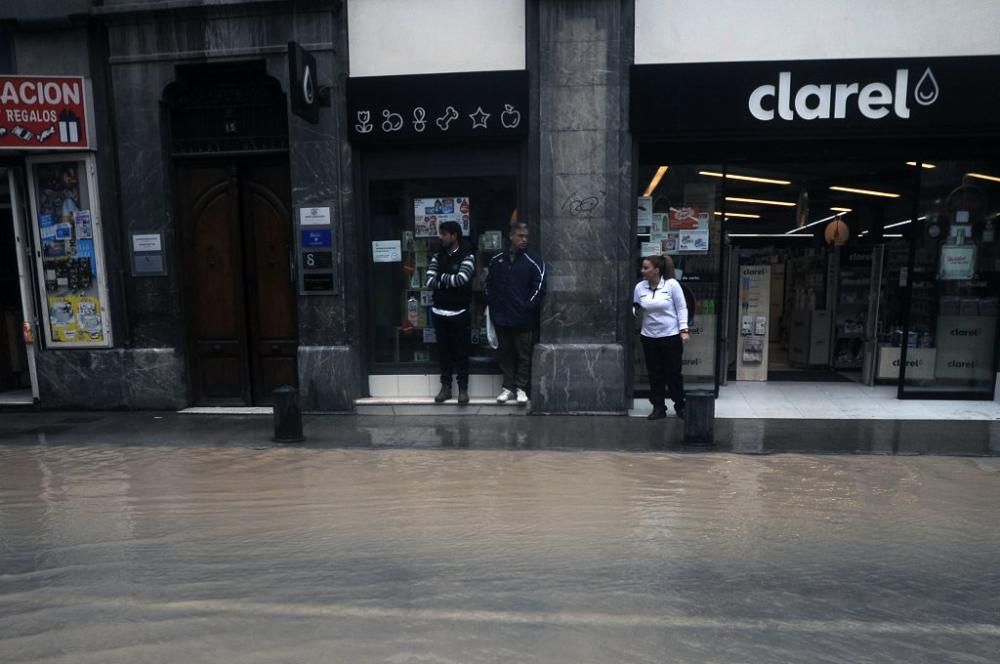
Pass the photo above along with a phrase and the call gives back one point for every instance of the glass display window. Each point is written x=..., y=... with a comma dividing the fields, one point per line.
x=678, y=214
x=66, y=222
x=408, y=211
x=950, y=334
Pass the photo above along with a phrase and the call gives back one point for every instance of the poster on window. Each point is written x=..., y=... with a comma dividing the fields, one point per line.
x=429, y=213
x=958, y=262
x=70, y=264
x=691, y=220
x=644, y=215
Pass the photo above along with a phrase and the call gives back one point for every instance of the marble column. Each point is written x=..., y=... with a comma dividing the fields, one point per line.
x=330, y=354
x=585, y=169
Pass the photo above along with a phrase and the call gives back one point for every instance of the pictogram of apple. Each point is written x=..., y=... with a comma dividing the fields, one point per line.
x=510, y=117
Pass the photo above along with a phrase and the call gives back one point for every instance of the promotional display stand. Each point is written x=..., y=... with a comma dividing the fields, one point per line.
x=755, y=301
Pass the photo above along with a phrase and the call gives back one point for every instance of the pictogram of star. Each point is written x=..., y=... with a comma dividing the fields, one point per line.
x=479, y=118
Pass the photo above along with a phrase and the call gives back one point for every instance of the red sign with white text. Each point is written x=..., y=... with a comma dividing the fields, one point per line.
x=43, y=113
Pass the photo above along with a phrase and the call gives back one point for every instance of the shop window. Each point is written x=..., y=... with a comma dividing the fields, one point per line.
x=679, y=215
x=71, y=268
x=407, y=211
x=951, y=333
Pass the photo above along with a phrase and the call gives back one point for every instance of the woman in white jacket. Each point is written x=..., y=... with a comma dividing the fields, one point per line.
x=659, y=299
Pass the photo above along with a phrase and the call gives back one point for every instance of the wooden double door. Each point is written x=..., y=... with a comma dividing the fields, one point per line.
x=239, y=285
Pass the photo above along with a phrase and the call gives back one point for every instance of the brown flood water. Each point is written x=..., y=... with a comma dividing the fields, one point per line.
x=162, y=554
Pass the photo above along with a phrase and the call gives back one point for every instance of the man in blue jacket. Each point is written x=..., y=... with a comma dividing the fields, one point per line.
x=515, y=285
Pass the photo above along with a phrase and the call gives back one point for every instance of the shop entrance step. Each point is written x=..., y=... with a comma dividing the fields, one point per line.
x=426, y=406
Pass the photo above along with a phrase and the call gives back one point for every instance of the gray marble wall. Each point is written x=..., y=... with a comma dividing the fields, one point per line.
x=585, y=180
x=329, y=377
x=136, y=378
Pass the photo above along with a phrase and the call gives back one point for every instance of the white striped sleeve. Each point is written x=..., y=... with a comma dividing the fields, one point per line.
x=465, y=272
x=539, y=283
x=430, y=276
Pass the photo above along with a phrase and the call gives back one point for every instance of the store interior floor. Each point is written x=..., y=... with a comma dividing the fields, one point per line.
x=832, y=401
x=19, y=397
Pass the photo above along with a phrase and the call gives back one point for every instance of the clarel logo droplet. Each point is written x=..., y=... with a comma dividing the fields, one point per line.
x=838, y=100
x=927, y=90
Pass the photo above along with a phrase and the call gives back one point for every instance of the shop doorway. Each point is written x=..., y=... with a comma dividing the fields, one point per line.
x=241, y=308
x=18, y=380
x=408, y=194
x=808, y=293
x=797, y=339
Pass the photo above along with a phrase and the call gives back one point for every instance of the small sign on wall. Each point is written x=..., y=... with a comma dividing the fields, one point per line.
x=317, y=216
x=147, y=255
x=316, y=260
x=147, y=242
x=317, y=238
x=386, y=251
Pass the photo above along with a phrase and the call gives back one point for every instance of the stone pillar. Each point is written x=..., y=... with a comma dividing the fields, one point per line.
x=585, y=47
x=329, y=356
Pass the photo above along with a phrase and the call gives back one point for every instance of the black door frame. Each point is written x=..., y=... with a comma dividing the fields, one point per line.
x=500, y=159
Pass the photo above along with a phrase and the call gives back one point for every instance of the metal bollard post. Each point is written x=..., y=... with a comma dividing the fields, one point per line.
x=699, y=418
x=287, y=415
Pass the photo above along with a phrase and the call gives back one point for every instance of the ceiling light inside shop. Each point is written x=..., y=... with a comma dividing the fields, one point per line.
x=903, y=222
x=893, y=235
x=866, y=192
x=742, y=215
x=841, y=209
x=923, y=163
x=813, y=223
x=745, y=178
x=807, y=235
x=655, y=182
x=984, y=176
x=759, y=201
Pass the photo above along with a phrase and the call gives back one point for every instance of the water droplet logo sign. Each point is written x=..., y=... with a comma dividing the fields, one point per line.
x=926, y=92
x=307, y=86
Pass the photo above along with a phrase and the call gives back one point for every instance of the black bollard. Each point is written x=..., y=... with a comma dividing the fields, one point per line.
x=699, y=418
x=287, y=415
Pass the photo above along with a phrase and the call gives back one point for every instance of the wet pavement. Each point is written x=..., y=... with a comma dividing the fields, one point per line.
x=746, y=436
x=125, y=538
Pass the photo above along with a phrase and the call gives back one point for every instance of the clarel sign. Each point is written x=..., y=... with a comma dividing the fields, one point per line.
x=44, y=113
x=817, y=98
x=826, y=100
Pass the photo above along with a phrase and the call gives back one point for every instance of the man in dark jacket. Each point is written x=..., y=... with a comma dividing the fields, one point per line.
x=450, y=274
x=515, y=285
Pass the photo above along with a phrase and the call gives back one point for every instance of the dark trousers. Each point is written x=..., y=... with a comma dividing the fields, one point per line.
x=514, y=356
x=454, y=342
x=663, y=362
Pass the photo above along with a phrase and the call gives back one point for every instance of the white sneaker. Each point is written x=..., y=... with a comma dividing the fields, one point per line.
x=522, y=398
x=505, y=396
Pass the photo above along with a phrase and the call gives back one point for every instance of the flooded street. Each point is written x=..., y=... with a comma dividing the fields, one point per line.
x=225, y=554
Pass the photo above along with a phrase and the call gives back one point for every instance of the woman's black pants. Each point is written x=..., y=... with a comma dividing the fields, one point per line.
x=663, y=362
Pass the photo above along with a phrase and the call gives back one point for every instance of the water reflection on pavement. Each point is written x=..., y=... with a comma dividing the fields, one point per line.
x=130, y=554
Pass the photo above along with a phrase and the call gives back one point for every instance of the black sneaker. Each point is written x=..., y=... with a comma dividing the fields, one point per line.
x=463, y=396
x=443, y=395
x=659, y=412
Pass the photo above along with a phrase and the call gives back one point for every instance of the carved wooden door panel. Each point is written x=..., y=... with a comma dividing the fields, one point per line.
x=240, y=301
